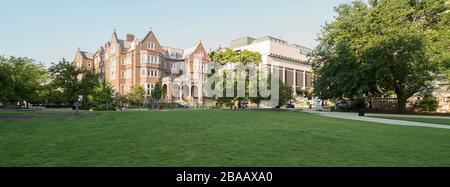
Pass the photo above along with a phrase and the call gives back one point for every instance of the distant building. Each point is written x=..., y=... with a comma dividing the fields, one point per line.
x=144, y=62
x=442, y=93
x=278, y=55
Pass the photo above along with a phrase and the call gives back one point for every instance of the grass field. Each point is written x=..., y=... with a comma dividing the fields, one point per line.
x=422, y=120
x=217, y=138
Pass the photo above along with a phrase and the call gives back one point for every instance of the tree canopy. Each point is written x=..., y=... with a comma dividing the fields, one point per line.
x=380, y=48
x=136, y=96
x=21, y=79
x=72, y=81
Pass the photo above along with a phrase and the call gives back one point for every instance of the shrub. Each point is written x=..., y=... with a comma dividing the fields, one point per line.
x=428, y=104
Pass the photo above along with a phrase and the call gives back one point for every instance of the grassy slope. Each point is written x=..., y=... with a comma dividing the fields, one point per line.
x=218, y=138
x=422, y=120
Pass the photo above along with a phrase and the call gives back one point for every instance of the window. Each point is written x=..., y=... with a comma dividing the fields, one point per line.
x=149, y=88
x=152, y=73
x=144, y=72
x=153, y=59
x=113, y=75
x=150, y=59
x=143, y=57
x=127, y=60
x=126, y=74
x=173, y=66
x=150, y=45
x=113, y=62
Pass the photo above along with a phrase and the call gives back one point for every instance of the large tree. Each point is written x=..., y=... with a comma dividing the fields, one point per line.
x=21, y=80
x=229, y=56
x=102, y=96
x=72, y=81
x=136, y=96
x=382, y=47
x=157, y=92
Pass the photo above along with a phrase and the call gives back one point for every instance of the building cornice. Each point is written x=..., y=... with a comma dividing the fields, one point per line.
x=288, y=58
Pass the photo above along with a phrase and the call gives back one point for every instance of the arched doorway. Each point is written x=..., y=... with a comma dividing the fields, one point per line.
x=165, y=96
x=186, y=93
x=195, y=93
x=176, y=92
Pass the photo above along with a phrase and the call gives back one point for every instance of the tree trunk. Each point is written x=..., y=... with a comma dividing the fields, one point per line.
x=77, y=107
x=370, y=100
x=401, y=99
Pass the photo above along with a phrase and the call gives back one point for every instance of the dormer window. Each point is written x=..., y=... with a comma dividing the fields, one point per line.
x=150, y=45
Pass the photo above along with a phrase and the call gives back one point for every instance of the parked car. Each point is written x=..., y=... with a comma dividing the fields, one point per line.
x=342, y=105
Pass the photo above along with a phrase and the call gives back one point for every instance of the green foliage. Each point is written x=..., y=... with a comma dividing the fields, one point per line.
x=286, y=94
x=244, y=57
x=136, y=96
x=389, y=46
x=72, y=81
x=21, y=79
x=230, y=56
x=102, y=96
x=157, y=92
x=428, y=104
x=120, y=100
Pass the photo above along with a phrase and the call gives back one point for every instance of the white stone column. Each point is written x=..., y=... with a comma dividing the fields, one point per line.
x=200, y=94
x=284, y=75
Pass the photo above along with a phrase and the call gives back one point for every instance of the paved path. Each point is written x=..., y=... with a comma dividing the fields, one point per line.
x=408, y=116
x=354, y=116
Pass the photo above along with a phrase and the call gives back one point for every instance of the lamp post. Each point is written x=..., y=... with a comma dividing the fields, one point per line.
x=77, y=104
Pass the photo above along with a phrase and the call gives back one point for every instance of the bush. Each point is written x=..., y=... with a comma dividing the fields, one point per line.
x=428, y=104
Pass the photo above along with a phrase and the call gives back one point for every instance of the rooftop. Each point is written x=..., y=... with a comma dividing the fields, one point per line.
x=249, y=40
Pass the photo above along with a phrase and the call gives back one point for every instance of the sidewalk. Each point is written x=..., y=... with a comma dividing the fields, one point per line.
x=354, y=116
x=407, y=116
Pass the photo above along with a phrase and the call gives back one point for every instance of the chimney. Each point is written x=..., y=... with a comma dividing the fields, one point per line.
x=130, y=37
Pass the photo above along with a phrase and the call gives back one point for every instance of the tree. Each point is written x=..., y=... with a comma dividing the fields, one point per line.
x=380, y=48
x=286, y=94
x=137, y=96
x=5, y=79
x=120, y=100
x=244, y=57
x=339, y=71
x=102, y=97
x=428, y=104
x=157, y=92
x=21, y=79
x=73, y=81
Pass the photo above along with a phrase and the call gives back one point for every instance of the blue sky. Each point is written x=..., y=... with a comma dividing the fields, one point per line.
x=49, y=30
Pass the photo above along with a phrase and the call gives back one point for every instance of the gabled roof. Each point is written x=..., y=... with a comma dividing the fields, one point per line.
x=124, y=45
x=150, y=33
x=87, y=55
x=187, y=52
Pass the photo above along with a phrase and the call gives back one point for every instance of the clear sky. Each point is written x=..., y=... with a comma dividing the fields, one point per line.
x=49, y=30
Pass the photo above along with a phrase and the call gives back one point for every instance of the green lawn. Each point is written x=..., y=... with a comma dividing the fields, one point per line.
x=218, y=138
x=422, y=120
